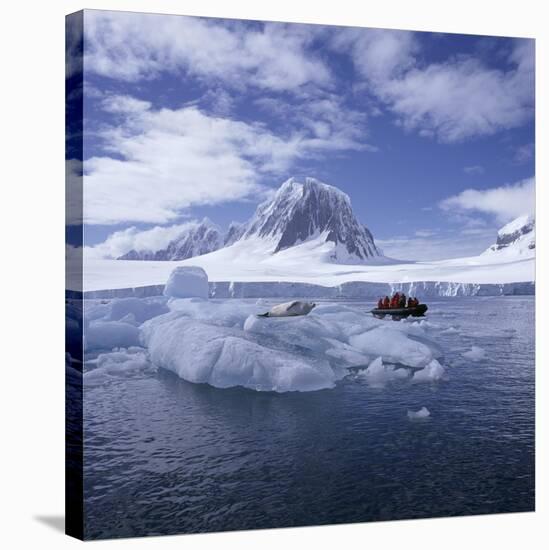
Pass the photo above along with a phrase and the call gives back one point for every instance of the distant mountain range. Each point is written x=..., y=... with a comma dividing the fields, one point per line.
x=309, y=210
x=299, y=212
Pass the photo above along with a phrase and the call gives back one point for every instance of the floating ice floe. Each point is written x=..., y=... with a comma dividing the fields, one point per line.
x=417, y=415
x=430, y=373
x=122, y=363
x=476, y=353
x=378, y=375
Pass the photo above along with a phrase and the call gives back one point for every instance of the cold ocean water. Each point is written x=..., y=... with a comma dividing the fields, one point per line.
x=166, y=456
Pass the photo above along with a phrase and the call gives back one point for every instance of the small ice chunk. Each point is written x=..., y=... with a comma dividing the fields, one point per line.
x=122, y=363
x=377, y=374
x=433, y=371
x=187, y=282
x=416, y=415
x=476, y=353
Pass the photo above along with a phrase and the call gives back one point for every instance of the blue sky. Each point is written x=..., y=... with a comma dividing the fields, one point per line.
x=189, y=117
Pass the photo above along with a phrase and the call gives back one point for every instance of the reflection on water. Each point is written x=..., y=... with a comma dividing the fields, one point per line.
x=166, y=456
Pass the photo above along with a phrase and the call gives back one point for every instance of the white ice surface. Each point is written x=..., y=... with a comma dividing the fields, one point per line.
x=394, y=345
x=251, y=260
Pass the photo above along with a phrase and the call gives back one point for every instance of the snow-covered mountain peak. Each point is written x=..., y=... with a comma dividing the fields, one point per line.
x=516, y=237
x=307, y=209
x=522, y=225
x=293, y=187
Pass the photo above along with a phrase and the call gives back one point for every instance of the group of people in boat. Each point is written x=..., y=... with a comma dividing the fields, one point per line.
x=397, y=301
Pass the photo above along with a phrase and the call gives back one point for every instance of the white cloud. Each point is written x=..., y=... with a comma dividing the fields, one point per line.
x=120, y=242
x=451, y=101
x=167, y=160
x=505, y=203
x=171, y=159
x=474, y=170
x=133, y=46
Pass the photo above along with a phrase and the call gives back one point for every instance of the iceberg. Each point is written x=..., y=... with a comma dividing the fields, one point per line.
x=224, y=357
x=225, y=344
x=187, y=282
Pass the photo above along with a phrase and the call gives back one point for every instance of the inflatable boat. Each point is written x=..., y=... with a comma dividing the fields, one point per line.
x=416, y=311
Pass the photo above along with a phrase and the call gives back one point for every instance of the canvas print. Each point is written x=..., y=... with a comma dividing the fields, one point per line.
x=300, y=274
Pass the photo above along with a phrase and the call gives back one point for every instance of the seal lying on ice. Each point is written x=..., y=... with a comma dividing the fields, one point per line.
x=289, y=309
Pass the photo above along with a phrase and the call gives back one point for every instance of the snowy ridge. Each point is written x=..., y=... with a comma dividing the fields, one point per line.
x=195, y=240
x=518, y=238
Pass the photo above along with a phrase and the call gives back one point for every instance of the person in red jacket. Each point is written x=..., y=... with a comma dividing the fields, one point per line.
x=386, y=302
x=380, y=304
x=395, y=300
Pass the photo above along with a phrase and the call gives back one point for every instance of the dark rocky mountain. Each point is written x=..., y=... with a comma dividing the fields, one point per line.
x=234, y=233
